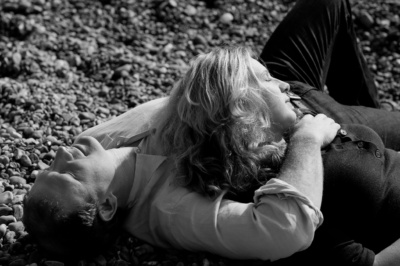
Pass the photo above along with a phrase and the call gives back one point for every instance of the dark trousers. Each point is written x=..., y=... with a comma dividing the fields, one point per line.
x=315, y=45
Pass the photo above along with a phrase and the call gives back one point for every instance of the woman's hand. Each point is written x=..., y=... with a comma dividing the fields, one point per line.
x=319, y=128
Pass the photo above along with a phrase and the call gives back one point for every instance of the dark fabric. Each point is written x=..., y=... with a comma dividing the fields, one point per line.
x=316, y=44
x=361, y=201
x=386, y=124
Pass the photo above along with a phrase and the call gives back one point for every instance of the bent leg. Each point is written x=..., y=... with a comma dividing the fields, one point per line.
x=316, y=44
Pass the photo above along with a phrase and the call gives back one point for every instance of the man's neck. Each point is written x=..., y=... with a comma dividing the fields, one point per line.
x=124, y=175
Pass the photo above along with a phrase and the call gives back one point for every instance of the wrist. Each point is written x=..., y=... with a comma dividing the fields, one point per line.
x=309, y=139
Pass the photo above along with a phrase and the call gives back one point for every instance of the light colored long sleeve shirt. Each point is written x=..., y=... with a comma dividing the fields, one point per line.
x=280, y=221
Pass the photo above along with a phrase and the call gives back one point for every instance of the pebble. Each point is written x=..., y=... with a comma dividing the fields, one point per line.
x=190, y=10
x=16, y=226
x=53, y=263
x=100, y=260
x=5, y=210
x=38, y=134
x=18, y=211
x=50, y=155
x=17, y=180
x=34, y=174
x=366, y=19
x=18, y=198
x=25, y=161
x=226, y=18
x=10, y=236
x=6, y=197
x=7, y=219
x=198, y=39
x=103, y=110
x=4, y=160
x=18, y=262
x=15, y=135
x=28, y=132
x=3, y=229
x=87, y=116
x=53, y=140
x=18, y=153
x=121, y=72
x=34, y=158
x=42, y=165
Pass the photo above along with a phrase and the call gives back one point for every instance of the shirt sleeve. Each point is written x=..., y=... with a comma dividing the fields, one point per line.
x=280, y=222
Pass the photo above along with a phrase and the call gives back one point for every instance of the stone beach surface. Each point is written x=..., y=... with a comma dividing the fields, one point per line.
x=68, y=65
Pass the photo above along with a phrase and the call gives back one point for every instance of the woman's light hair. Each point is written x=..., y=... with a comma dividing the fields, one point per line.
x=218, y=127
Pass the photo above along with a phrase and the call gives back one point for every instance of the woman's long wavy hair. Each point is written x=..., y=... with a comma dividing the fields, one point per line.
x=218, y=127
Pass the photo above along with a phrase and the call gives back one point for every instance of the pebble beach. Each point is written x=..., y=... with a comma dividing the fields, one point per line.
x=68, y=65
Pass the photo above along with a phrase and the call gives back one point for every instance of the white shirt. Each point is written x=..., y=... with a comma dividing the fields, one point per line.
x=280, y=222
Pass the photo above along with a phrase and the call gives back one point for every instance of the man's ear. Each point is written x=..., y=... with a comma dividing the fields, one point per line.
x=108, y=207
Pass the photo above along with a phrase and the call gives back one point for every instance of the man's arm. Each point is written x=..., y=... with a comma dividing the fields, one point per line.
x=281, y=221
x=302, y=167
x=389, y=256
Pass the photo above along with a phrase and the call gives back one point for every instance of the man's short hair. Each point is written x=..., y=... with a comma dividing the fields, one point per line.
x=69, y=236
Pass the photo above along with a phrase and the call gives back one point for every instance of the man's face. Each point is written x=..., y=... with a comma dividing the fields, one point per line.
x=78, y=171
x=282, y=114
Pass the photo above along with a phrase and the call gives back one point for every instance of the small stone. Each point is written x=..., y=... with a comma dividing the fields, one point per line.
x=4, y=160
x=37, y=134
x=5, y=210
x=100, y=260
x=226, y=18
x=16, y=58
x=17, y=262
x=34, y=158
x=121, y=72
x=103, y=110
x=61, y=67
x=121, y=263
x=198, y=39
x=10, y=236
x=3, y=229
x=53, y=140
x=190, y=10
x=53, y=263
x=25, y=161
x=15, y=135
x=7, y=219
x=173, y=3
x=28, y=131
x=18, y=198
x=34, y=174
x=366, y=19
x=6, y=197
x=17, y=180
x=42, y=165
x=18, y=211
x=104, y=91
x=87, y=115
x=16, y=226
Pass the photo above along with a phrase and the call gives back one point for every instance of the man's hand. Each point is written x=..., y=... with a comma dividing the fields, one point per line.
x=319, y=128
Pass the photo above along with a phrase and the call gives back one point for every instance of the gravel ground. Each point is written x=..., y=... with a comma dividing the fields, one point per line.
x=67, y=65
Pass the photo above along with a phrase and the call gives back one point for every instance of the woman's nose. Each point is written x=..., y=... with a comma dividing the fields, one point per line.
x=283, y=86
